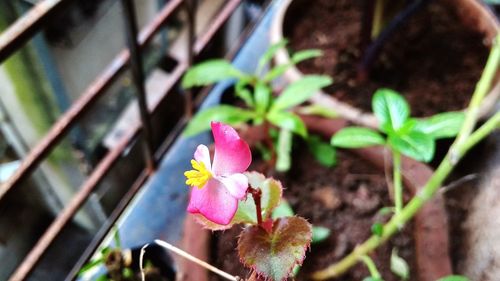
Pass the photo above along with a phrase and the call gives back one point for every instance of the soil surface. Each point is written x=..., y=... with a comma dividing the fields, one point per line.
x=432, y=60
x=345, y=199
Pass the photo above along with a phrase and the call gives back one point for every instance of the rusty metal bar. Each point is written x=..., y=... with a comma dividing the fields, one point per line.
x=26, y=26
x=138, y=79
x=88, y=97
x=97, y=175
x=190, y=7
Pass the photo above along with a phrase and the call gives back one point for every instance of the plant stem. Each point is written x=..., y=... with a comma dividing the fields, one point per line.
x=371, y=266
x=464, y=141
x=396, y=180
x=378, y=17
x=257, y=195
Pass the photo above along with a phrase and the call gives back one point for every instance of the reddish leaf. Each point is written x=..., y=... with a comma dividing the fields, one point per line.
x=274, y=254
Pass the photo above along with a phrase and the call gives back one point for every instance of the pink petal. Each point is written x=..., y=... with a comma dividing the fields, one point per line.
x=236, y=184
x=232, y=154
x=203, y=155
x=214, y=202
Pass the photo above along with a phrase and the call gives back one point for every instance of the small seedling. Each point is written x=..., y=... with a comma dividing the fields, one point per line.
x=262, y=107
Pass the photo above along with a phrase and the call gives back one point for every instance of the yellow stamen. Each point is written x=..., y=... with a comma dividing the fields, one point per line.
x=199, y=176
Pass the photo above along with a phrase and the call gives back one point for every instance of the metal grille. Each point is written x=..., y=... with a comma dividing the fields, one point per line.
x=31, y=23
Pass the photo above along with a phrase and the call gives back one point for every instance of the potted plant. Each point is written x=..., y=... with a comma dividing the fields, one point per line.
x=398, y=132
x=430, y=51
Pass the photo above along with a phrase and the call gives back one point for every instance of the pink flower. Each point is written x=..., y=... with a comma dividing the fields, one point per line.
x=219, y=185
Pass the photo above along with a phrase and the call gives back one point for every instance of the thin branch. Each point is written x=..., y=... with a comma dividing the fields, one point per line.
x=196, y=260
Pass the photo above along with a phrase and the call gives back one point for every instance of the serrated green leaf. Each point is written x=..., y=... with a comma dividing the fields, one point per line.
x=443, y=125
x=323, y=152
x=274, y=254
x=262, y=97
x=390, y=108
x=306, y=54
x=284, y=150
x=399, y=265
x=210, y=72
x=454, y=278
x=319, y=234
x=269, y=54
x=357, y=137
x=271, y=195
x=317, y=110
x=416, y=145
x=287, y=120
x=243, y=93
x=222, y=113
x=283, y=210
x=378, y=229
x=300, y=91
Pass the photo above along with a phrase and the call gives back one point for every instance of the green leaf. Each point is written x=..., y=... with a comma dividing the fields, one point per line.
x=284, y=150
x=127, y=272
x=300, y=91
x=287, y=120
x=317, y=110
x=269, y=54
x=210, y=72
x=443, y=125
x=416, y=145
x=116, y=237
x=103, y=277
x=273, y=254
x=454, y=278
x=319, y=234
x=357, y=137
x=323, y=152
x=271, y=195
x=222, y=113
x=275, y=72
x=262, y=97
x=391, y=109
x=91, y=264
x=306, y=54
x=373, y=279
x=378, y=229
x=283, y=210
x=243, y=93
x=399, y=265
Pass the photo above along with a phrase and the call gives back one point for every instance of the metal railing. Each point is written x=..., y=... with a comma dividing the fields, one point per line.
x=21, y=31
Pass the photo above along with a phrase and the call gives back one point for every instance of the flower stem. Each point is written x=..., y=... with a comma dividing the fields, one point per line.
x=464, y=141
x=397, y=183
x=257, y=195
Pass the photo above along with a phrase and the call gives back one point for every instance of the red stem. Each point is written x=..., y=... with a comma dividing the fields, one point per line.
x=257, y=194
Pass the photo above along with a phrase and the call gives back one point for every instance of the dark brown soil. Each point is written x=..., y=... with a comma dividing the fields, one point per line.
x=345, y=199
x=432, y=60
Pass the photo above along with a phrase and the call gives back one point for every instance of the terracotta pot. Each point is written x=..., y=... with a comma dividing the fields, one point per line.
x=472, y=14
x=430, y=224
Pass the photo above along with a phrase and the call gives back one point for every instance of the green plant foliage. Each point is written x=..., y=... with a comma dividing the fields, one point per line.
x=357, y=137
x=399, y=266
x=454, y=278
x=283, y=150
x=443, y=125
x=372, y=279
x=391, y=109
x=300, y=91
x=416, y=145
x=222, y=113
x=269, y=54
x=305, y=55
x=210, y=72
x=319, y=234
x=275, y=252
x=378, y=229
x=323, y=152
x=283, y=210
x=289, y=121
x=262, y=98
